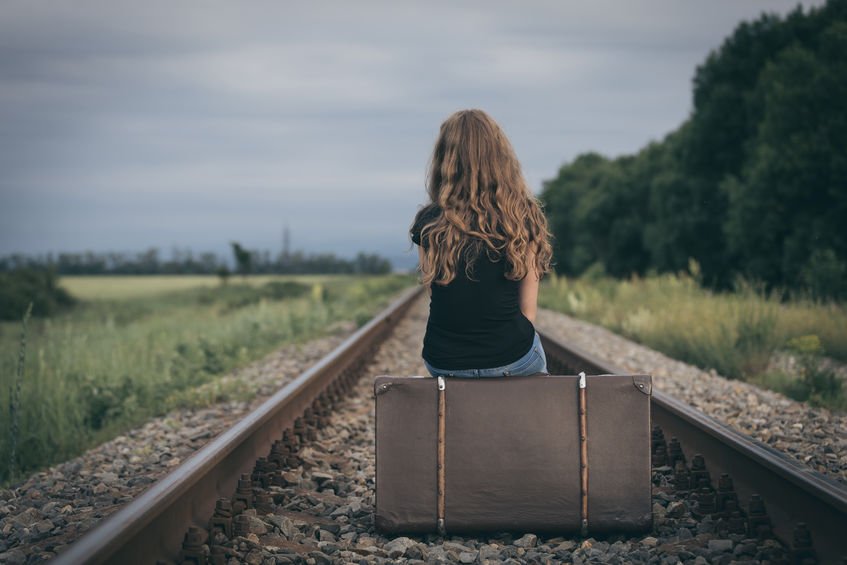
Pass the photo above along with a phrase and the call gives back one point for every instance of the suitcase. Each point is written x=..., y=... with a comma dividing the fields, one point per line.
x=544, y=454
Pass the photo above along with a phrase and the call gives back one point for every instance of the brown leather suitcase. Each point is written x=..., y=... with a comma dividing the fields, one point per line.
x=534, y=454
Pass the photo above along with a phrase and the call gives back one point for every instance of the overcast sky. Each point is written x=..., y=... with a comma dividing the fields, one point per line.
x=125, y=125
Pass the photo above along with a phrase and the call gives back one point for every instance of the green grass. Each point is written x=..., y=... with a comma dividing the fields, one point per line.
x=734, y=333
x=111, y=363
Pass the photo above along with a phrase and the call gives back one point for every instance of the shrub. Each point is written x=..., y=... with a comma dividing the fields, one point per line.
x=40, y=286
x=825, y=276
x=817, y=384
x=280, y=290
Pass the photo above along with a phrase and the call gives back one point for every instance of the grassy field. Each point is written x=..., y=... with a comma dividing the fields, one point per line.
x=130, y=351
x=95, y=287
x=734, y=333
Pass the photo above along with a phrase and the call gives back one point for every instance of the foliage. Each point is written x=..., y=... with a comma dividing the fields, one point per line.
x=751, y=184
x=736, y=333
x=15, y=398
x=109, y=364
x=40, y=286
x=243, y=259
x=816, y=384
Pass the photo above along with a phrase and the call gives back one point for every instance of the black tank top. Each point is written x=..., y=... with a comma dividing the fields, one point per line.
x=474, y=323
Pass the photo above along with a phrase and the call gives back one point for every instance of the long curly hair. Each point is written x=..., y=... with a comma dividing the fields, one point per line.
x=475, y=182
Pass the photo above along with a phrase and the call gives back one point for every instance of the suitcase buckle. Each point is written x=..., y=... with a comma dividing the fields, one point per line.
x=441, y=385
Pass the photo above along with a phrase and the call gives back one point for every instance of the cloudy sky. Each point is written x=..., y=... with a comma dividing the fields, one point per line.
x=125, y=125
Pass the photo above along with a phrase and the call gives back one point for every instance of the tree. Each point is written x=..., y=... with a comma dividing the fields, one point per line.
x=789, y=203
x=753, y=183
x=243, y=259
x=223, y=273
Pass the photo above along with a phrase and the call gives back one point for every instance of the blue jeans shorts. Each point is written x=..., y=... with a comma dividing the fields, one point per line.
x=534, y=361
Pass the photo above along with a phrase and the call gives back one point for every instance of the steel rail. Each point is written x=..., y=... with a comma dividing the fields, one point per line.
x=792, y=492
x=151, y=527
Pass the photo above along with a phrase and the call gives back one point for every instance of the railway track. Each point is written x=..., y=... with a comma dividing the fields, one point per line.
x=805, y=509
x=306, y=457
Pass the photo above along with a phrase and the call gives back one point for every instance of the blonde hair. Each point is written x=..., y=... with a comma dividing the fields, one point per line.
x=475, y=180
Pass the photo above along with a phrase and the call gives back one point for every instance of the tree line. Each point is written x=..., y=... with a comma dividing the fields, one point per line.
x=752, y=184
x=185, y=262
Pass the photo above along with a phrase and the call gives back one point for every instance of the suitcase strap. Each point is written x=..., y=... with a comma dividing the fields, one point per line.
x=442, y=433
x=583, y=456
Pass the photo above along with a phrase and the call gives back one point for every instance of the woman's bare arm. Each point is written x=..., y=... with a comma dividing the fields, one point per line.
x=528, y=294
x=420, y=262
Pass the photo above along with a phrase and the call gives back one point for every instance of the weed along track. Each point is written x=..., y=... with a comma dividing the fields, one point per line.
x=293, y=482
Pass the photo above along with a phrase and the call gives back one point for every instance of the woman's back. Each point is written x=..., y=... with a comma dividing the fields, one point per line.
x=474, y=322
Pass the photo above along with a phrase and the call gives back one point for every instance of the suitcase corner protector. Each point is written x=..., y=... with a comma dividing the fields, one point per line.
x=381, y=384
x=643, y=383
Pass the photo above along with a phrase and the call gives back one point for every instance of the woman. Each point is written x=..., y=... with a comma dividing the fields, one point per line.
x=483, y=245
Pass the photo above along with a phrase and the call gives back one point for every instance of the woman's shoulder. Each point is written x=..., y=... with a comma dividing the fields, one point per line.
x=423, y=217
